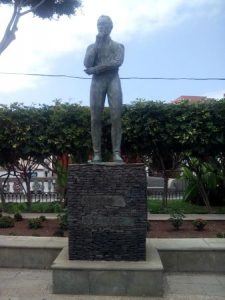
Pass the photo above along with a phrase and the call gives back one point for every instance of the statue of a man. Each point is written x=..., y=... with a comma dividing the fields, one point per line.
x=102, y=60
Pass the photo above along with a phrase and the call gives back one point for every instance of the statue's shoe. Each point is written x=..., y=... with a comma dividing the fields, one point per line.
x=97, y=158
x=117, y=157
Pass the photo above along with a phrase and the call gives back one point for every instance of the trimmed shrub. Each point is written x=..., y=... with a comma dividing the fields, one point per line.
x=221, y=235
x=6, y=222
x=199, y=224
x=34, y=223
x=63, y=220
x=177, y=219
x=42, y=218
x=18, y=217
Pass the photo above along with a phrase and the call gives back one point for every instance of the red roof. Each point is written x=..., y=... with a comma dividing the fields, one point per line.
x=191, y=99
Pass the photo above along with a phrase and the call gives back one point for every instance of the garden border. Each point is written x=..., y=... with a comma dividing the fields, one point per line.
x=177, y=255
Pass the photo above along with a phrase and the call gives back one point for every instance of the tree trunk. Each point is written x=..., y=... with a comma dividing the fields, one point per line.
x=28, y=194
x=65, y=198
x=165, y=191
x=10, y=31
x=2, y=198
x=2, y=187
x=204, y=195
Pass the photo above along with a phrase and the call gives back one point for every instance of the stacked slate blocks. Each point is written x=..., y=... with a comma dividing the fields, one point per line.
x=107, y=212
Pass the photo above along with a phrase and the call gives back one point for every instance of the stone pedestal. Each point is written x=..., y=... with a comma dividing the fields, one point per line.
x=107, y=252
x=107, y=212
x=140, y=278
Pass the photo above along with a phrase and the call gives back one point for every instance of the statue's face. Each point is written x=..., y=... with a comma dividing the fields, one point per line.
x=104, y=26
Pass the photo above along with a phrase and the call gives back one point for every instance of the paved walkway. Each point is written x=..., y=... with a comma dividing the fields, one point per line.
x=209, y=217
x=156, y=217
x=24, y=284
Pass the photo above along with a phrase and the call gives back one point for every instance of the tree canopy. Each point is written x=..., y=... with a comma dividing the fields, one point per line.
x=161, y=134
x=41, y=8
x=148, y=128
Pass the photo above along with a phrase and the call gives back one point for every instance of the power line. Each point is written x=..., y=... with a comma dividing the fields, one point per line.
x=124, y=78
x=44, y=75
x=173, y=78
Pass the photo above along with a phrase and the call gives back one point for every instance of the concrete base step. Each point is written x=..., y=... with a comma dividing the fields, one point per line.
x=142, y=278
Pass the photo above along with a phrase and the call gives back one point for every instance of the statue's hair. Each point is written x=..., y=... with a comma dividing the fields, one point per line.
x=108, y=19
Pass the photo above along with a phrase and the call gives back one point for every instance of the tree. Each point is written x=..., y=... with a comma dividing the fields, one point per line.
x=23, y=141
x=68, y=131
x=68, y=138
x=159, y=132
x=8, y=154
x=41, y=8
x=150, y=131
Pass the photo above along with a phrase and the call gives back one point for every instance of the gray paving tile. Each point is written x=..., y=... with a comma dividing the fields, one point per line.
x=185, y=289
x=178, y=278
x=214, y=290
x=22, y=284
x=203, y=279
x=221, y=280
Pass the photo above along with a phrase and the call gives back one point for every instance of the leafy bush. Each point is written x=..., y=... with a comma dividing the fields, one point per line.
x=36, y=207
x=6, y=222
x=220, y=235
x=46, y=207
x=57, y=207
x=34, y=223
x=63, y=219
x=205, y=182
x=18, y=217
x=176, y=219
x=199, y=224
x=13, y=208
x=42, y=218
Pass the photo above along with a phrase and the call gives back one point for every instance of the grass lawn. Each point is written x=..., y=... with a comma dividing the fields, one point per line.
x=37, y=207
x=155, y=207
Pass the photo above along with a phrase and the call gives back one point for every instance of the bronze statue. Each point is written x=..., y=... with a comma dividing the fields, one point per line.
x=102, y=60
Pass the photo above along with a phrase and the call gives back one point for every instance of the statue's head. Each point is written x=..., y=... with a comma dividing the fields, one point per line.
x=104, y=25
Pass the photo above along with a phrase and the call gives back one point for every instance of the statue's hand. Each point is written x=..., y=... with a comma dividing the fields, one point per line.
x=96, y=70
x=99, y=38
x=100, y=69
x=89, y=71
x=99, y=41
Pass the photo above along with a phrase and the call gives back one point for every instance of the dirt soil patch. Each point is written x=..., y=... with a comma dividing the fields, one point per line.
x=164, y=229
x=49, y=227
x=159, y=229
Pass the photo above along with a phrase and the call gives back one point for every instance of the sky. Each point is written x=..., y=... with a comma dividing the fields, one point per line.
x=162, y=38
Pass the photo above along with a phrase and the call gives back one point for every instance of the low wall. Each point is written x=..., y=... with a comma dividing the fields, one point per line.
x=29, y=252
x=192, y=255
x=177, y=255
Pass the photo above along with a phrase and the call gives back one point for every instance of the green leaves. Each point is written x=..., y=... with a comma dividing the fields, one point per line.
x=196, y=128
x=150, y=129
x=203, y=179
x=49, y=7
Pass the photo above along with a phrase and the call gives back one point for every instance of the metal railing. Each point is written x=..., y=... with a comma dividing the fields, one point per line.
x=37, y=185
x=171, y=194
x=54, y=196
x=36, y=197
